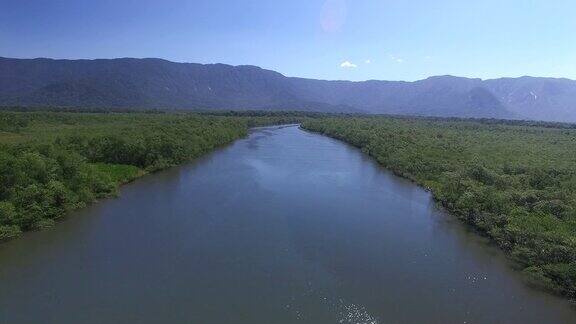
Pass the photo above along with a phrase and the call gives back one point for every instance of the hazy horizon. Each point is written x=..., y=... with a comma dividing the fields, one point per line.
x=285, y=74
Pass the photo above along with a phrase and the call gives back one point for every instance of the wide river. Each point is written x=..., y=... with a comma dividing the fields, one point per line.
x=284, y=226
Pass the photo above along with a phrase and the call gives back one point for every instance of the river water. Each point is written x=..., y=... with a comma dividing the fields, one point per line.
x=284, y=226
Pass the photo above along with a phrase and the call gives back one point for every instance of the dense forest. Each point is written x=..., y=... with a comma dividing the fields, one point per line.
x=53, y=162
x=515, y=183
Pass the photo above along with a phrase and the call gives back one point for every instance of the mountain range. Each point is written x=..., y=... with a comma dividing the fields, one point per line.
x=160, y=84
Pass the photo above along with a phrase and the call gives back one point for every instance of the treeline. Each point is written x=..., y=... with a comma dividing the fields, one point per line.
x=51, y=163
x=295, y=115
x=515, y=183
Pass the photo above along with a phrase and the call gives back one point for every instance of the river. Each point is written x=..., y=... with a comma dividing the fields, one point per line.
x=284, y=226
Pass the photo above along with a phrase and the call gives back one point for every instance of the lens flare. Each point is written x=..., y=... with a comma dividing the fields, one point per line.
x=333, y=15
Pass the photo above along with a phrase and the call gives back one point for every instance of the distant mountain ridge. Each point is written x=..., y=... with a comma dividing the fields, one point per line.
x=158, y=84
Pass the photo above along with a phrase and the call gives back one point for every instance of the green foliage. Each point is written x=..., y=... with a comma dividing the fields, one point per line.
x=536, y=276
x=8, y=232
x=119, y=173
x=515, y=182
x=51, y=163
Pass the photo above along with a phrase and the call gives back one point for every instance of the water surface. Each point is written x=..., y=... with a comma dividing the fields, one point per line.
x=282, y=227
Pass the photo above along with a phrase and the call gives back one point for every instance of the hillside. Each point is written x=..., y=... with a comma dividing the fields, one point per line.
x=156, y=83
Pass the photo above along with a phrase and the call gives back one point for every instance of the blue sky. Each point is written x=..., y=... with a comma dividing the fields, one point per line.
x=333, y=39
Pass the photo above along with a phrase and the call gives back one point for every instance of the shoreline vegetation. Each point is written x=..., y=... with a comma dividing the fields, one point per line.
x=514, y=183
x=54, y=162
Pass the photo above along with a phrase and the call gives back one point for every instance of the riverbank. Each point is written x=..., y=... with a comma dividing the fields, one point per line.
x=54, y=162
x=281, y=226
x=514, y=183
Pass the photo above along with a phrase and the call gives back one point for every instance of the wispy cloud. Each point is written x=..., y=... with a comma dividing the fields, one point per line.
x=348, y=65
x=368, y=61
x=396, y=59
